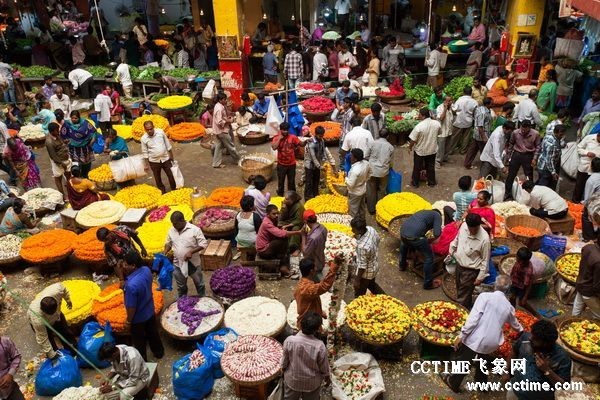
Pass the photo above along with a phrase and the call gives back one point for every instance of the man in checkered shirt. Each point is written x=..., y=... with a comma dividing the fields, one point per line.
x=292, y=67
x=367, y=265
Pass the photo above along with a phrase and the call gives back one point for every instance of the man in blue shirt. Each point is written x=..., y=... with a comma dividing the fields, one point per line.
x=270, y=65
x=260, y=108
x=140, y=305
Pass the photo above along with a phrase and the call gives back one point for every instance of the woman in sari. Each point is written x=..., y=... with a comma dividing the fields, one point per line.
x=81, y=191
x=81, y=135
x=291, y=215
x=481, y=206
x=547, y=96
x=115, y=146
x=115, y=98
x=373, y=68
x=500, y=90
x=16, y=219
x=22, y=160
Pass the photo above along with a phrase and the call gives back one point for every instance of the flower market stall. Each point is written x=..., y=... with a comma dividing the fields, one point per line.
x=292, y=313
x=49, y=248
x=100, y=213
x=191, y=317
x=439, y=322
x=139, y=196
x=10, y=249
x=256, y=315
x=399, y=204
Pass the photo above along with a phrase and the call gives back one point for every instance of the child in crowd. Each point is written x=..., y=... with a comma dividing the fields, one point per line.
x=462, y=200
x=207, y=116
x=261, y=197
x=521, y=276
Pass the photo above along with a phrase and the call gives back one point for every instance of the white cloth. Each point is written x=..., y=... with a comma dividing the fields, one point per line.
x=155, y=148
x=357, y=178
x=588, y=144
x=446, y=123
x=472, y=251
x=102, y=105
x=425, y=136
x=434, y=63
x=380, y=157
x=347, y=59
x=78, y=76
x=63, y=103
x=342, y=6
x=492, y=152
x=190, y=238
x=527, y=110
x=482, y=332
x=166, y=63
x=320, y=64
x=123, y=75
x=358, y=138
x=547, y=199
x=464, y=109
x=141, y=33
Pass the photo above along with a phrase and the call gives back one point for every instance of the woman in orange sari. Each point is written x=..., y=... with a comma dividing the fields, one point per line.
x=81, y=191
x=500, y=90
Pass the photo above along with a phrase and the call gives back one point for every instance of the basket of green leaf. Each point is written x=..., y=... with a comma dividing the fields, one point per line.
x=398, y=123
x=456, y=86
x=419, y=93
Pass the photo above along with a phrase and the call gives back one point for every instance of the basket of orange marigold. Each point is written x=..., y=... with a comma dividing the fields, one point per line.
x=225, y=196
x=48, y=246
x=186, y=132
x=89, y=250
x=109, y=306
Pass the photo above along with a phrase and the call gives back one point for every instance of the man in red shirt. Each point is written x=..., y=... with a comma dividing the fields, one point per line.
x=286, y=146
x=272, y=242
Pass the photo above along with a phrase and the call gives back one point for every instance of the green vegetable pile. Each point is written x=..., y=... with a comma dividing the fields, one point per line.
x=366, y=103
x=457, y=85
x=396, y=123
x=97, y=71
x=210, y=75
x=586, y=65
x=181, y=73
x=419, y=93
x=35, y=71
x=148, y=72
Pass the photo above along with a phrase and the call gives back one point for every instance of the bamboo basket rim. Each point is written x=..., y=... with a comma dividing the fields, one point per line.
x=50, y=260
x=259, y=157
x=392, y=224
x=375, y=343
x=419, y=323
x=225, y=227
x=531, y=221
x=259, y=382
x=563, y=276
x=563, y=324
x=11, y=260
x=317, y=113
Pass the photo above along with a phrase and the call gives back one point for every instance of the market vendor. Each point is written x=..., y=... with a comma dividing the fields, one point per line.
x=545, y=202
x=45, y=116
x=117, y=243
x=482, y=207
x=309, y=289
x=48, y=87
x=260, y=35
x=260, y=108
x=500, y=89
x=341, y=93
x=16, y=219
x=81, y=135
x=115, y=99
x=60, y=101
x=59, y=157
x=477, y=34
x=45, y=309
x=167, y=83
x=81, y=191
x=115, y=146
x=82, y=81
x=10, y=359
x=367, y=260
x=129, y=374
x=291, y=215
x=262, y=197
x=7, y=198
x=314, y=238
x=20, y=159
x=436, y=99
x=588, y=280
x=243, y=116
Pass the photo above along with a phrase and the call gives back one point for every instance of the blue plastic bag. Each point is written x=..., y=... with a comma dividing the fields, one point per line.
x=216, y=345
x=98, y=146
x=394, y=183
x=553, y=246
x=193, y=384
x=493, y=273
x=347, y=163
x=56, y=375
x=164, y=267
x=93, y=336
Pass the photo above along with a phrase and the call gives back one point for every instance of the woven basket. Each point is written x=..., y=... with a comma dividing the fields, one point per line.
x=107, y=185
x=171, y=331
x=340, y=189
x=10, y=261
x=508, y=261
x=512, y=245
x=332, y=142
x=216, y=231
x=253, y=138
x=563, y=325
x=374, y=343
x=52, y=260
x=99, y=267
x=395, y=225
x=257, y=164
x=449, y=286
x=36, y=143
x=429, y=331
x=563, y=276
x=527, y=221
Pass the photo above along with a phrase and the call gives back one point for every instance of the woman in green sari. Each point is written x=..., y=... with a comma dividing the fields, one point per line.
x=547, y=96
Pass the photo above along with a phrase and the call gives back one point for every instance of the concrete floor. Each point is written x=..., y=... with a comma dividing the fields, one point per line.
x=195, y=164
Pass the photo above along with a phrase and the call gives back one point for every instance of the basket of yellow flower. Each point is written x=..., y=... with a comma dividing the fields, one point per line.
x=396, y=224
x=397, y=204
x=139, y=196
x=257, y=164
x=327, y=203
x=103, y=178
x=581, y=336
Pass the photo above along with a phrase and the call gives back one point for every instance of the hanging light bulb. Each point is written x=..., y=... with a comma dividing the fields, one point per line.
x=362, y=18
x=293, y=17
x=454, y=8
x=264, y=15
x=163, y=11
x=201, y=12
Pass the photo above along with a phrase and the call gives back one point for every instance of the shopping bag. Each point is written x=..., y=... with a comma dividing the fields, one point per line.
x=343, y=73
x=128, y=168
x=363, y=362
x=191, y=381
x=274, y=118
x=216, y=342
x=277, y=393
x=92, y=337
x=176, y=171
x=570, y=159
x=57, y=374
x=394, y=183
x=164, y=267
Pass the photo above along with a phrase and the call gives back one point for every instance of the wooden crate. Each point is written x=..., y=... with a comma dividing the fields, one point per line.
x=564, y=226
x=216, y=255
x=67, y=217
x=267, y=269
x=133, y=217
x=258, y=392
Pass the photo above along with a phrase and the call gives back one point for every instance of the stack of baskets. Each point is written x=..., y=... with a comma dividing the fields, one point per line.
x=257, y=164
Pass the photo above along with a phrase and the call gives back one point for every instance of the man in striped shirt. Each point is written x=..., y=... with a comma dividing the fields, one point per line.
x=367, y=265
x=305, y=365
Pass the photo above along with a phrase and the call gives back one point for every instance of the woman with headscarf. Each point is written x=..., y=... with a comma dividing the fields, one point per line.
x=81, y=135
x=290, y=217
x=22, y=160
x=81, y=191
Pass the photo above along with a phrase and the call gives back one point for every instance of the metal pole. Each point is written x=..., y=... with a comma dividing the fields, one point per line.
x=100, y=25
x=428, y=22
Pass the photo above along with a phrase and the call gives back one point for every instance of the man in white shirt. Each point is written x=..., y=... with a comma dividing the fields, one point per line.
x=491, y=156
x=588, y=149
x=129, y=373
x=183, y=58
x=471, y=249
x=124, y=77
x=380, y=159
x=342, y=8
x=60, y=101
x=356, y=181
x=592, y=186
x=103, y=105
x=158, y=153
x=445, y=115
x=357, y=138
x=545, y=202
x=82, y=81
x=527, y=109
x=320, y=65
x=186, y=240
x=435, y=61
x=482, y=334
x=423, y=140
x=464, y=111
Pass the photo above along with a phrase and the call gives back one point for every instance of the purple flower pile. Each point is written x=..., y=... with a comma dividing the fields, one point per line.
x=233, y=282
x=190, y=316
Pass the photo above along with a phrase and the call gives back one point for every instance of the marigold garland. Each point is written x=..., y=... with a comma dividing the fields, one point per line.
x=177, y=197
x=326, y=203
x=48, y=245
x=137, y=128
x=333, y=130
x=174, y=102
x=102, y=173
x=82, y=293
x=109, y=306
x=138, y=196
x=225, y=196
x=331, y=179
x=396, y=204
x=333, y=227
x=123, y=131
x=186, y=131
x=154, y=235
x=88, y=248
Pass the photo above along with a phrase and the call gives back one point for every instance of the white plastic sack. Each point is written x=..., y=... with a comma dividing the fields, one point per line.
x=570, y=48
x=274, y=118
x=128, y=168
x=277, y=393
x=210, y=90
x=570, y=159
x=360, y=361
x=519, y=195
x=176, y=171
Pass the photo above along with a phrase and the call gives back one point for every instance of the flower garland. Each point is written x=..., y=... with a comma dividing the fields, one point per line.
x=338, y=292
x=163, y=213
x=138, y=196
x=396, y=204
x=48, y=245
x=333, y=130
x=186, y=131
x=124, y=131
x=88, y=248
x=177, y=197
x=154, y=235
x=338, y=242
x=326, y=203
x=82, y=293
x=331, y=179
x=137, y=128
x=10, y=246
x=102, y=173
x=174, y=102
x=100, y=213
x=109, y=306
x=225, y=196
x=341, y=228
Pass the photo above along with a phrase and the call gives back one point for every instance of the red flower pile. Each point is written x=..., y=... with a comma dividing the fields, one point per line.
x=318, y=104
x=396, y=90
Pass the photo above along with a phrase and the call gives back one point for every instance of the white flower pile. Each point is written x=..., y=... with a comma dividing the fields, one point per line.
x=80, y=393
x=509, y=208
x=32, y=132
x=42, y=197
x=256, y=316
x=100, y=213
x=10, y=246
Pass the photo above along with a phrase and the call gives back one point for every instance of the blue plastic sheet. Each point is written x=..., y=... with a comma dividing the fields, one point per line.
x=56, y=375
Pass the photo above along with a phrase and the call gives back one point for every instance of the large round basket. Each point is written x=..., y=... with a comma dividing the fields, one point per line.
x=367, y=340
x=10, y=261
x=100, y=267
x=216, y=230
x=229, y=367
x=528, y=221
x=106, y=185
x=292, y=314
x=171, y=319
x=332, y=142
x=390, y=99
x=508, y=261
x=426, y=333
x=396, y=224
x=252, y=137
x=449, y=286
x=36, y=143
x=562, y=275
x=334, y=218
x=257, y=164
x=257, y=315
x=340, y=189
x=317, y=116
x=52, y=260
x=564, y=324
